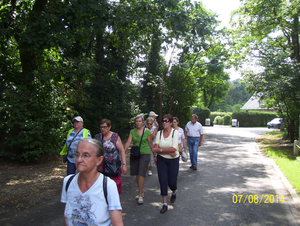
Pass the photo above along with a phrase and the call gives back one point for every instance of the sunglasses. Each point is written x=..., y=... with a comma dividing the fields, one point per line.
x=167, y=120
x=149, y=123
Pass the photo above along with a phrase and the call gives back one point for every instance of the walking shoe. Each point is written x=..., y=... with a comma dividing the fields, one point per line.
x=191, y=167
x=137, y=197
x=194, y=167
x=141, y=200
x=164, y=209
x=150, y=173
x=173, y=198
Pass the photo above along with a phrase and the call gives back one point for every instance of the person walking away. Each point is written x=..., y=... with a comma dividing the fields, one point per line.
x=167, y=155
x=139, y=166
x=194, y=134
x=89, y=200
x=74, y=136
x=113, y=148
x=153, y=131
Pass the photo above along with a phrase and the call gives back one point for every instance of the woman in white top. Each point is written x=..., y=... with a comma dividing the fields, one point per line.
x=153, y=130
x=181, y=137
x=166, y=150
x=84, y=197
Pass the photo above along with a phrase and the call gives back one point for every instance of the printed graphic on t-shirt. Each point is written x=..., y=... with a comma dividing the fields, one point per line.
x=83, y=212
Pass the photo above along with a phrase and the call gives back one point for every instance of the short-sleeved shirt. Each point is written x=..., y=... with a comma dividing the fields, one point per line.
x=145, y=149
x=152, y=130
x=180, y=136
x=168, y=142
x=90, y=207
x=73, y=148
x=194, y=130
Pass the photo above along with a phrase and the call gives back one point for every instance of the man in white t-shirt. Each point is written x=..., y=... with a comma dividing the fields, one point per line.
x=194, y=134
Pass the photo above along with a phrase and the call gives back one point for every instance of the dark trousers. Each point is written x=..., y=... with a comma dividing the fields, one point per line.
x=167, y=170
x=71, y=168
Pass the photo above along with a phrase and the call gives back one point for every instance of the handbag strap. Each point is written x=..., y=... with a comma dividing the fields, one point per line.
x=74, y=138
x=142, y=138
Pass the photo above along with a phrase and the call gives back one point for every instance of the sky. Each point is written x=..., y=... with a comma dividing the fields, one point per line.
x=223, y=8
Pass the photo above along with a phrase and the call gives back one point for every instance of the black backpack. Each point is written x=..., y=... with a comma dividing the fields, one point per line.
x=104, y=185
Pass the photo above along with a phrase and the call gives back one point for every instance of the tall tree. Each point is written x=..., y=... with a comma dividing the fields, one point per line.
x=270, y=31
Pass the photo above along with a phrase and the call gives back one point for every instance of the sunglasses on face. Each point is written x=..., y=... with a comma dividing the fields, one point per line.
x=149, y=123
x=167, y=120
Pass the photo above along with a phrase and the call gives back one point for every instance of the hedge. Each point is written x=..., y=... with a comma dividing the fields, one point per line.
x=252, y=119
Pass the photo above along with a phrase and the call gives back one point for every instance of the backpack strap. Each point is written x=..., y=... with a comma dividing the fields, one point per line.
x=69, y=181
x=104, y=185
x=105, y=188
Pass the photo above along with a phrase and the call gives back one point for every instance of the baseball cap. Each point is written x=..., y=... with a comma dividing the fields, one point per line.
x=78, y=119
x=152, y=113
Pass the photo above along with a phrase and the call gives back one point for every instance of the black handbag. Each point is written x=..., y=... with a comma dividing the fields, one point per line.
x=135, y=151
x=111, y=168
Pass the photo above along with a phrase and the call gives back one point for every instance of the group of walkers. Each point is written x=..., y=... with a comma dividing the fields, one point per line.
x=90, y=197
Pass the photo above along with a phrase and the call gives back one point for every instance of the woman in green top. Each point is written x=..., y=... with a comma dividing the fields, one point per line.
x=139, y=166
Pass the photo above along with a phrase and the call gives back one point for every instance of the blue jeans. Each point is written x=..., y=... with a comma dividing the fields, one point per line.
x=193, y=143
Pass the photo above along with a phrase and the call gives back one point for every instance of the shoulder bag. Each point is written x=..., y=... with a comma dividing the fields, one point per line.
x=135, y=151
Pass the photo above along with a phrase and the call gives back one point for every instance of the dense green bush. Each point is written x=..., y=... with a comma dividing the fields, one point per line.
x=227, y=119
x=218, y=120
x=33, y=121
x=254, y=118
x=215, y=114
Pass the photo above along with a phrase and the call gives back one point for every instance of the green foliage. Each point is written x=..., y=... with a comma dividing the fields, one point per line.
x=270, y=31
x=227, y=119
x=252, y=119
x=31, y=121
x=235, y=98
x=219, y=120
x=283, y=156
x=59, y=59
x=213, y=115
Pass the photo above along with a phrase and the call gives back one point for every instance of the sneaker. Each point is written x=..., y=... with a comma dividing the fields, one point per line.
x=150, y=173
x=137, y=197
x=140, y=200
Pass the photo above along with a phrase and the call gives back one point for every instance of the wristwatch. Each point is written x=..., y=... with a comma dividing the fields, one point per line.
x=124, y=164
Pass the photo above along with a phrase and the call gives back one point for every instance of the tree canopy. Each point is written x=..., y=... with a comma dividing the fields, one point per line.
x=60, y=59
x=269, y=31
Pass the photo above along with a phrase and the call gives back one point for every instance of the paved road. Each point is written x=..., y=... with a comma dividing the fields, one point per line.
x=229, y=164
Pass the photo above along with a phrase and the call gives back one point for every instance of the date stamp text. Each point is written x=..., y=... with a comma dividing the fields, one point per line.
x=258, y=199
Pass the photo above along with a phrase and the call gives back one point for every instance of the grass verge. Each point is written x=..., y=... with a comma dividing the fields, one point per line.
x=275, y=146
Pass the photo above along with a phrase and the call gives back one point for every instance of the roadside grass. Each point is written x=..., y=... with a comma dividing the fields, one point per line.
x=275, y=146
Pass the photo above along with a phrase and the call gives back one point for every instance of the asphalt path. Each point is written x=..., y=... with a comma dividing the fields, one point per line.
x=230, y=168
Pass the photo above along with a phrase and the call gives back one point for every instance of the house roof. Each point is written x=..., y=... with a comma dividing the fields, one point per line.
x=254, y=104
